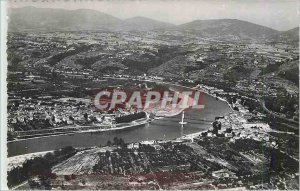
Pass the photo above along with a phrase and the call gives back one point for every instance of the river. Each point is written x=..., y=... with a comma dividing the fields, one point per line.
x=160, y=129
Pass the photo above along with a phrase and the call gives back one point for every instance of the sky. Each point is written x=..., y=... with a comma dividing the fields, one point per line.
x=277, y=14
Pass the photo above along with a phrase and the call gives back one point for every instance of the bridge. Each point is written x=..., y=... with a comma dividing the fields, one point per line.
x=189, y=119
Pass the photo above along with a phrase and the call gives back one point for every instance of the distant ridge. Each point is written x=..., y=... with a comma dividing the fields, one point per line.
x=227, y=27
x=31, y=18
x=143, y=24
x=45, y=19
x=290, y=35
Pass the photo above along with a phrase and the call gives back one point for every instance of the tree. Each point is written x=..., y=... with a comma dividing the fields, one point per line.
x=67, y=177
x=73, y=176
x=33, y=184
x=17, y=104
x=45, y=181
x=68, y=150
x=121, y=142
x=216, y=126
x=107, y=153
x=116, y=141
x=228, y=130
x=86, y=116
x=233, y=99
x=49, y=156
x=10, y=136
x=204, y=134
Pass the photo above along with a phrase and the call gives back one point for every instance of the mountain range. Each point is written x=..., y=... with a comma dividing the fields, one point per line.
x=31, y=18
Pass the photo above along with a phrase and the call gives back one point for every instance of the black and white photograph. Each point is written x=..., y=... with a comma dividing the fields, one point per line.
x=150, y=95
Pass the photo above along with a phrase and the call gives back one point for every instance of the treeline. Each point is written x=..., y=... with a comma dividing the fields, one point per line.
x=56, y=58
x=236, y=73
x=150, y=59
x=283, y=103
x=278, y=161
x=198, y=66
x=271, y=68
x=39, y=166
x=117, y=142
x=88, y=62
x=31, y=124
x=130, y=118
x=291, y=75
x=250, y=104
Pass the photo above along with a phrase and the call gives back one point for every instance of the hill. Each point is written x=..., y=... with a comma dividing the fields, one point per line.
x=142, y=24
x=31, y=18
x=228, y=28
x=290, y=35
x=290, y=71
x=171, y=69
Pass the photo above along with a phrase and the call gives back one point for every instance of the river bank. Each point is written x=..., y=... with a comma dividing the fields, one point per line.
x=91, y=130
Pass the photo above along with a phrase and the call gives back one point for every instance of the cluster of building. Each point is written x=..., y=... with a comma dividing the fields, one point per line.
x=47, y=112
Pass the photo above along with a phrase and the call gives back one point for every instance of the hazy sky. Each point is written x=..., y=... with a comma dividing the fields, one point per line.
x=277, y=14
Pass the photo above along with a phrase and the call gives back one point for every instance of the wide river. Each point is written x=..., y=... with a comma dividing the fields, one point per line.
x=160, y=129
